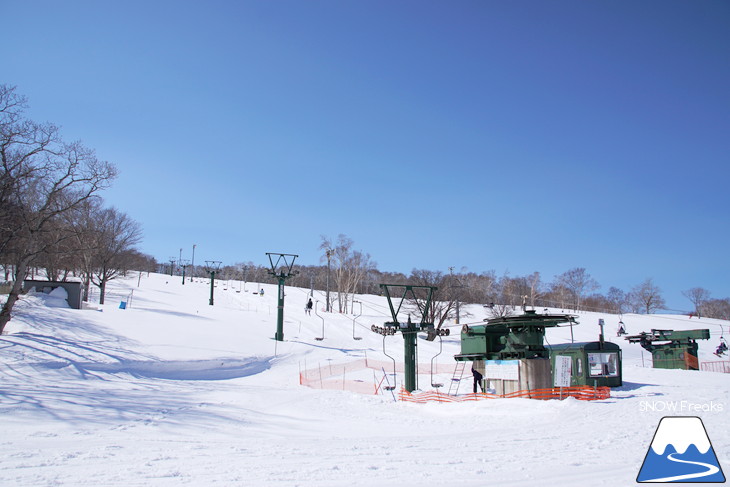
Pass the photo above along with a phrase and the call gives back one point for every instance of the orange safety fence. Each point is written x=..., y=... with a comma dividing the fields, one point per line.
x=364, y=376
x=368, y=376
x=583, y=393
x=720, y=366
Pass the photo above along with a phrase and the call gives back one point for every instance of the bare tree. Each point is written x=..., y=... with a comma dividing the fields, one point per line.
x=478, y=288
x=698, y=296
x=616, y=299
x=535, y=288
x=716, y=308
x=41, y=178
x=117, y=235
x=647, y=297
x=579, y=283
x=350, y=267
x=443, y=299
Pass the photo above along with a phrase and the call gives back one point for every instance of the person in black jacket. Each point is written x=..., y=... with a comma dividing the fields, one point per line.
x=477, y=378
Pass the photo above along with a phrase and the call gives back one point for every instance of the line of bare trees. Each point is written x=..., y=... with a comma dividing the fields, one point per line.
x=352, y=272
x=51, y=214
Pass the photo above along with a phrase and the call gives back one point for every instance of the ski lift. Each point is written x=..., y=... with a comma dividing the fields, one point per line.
x=621, y=329
x=389, y=387
x=721, y=348
x=316, y=312
x=436, y=385
x=353, y=322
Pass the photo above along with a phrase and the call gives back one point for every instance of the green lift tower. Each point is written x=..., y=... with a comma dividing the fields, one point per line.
x=281, y=268
x=420, y=297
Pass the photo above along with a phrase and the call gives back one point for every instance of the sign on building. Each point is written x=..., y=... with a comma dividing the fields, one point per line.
x=563, y=370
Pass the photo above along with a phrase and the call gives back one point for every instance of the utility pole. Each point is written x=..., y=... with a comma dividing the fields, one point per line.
x=329, y=256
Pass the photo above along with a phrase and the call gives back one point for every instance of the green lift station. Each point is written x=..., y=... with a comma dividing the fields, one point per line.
x=509, y=351
x=672, y=349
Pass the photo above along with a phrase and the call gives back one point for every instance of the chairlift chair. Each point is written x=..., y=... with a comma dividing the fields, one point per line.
x=388, y=387
x=353, y=322
x=722, y=347
x=436, y=385
x=316, y=312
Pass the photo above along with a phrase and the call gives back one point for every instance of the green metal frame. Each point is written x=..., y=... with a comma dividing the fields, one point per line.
x=409, y=330
x=283, y=273
x=212, y=266
x=510, y=337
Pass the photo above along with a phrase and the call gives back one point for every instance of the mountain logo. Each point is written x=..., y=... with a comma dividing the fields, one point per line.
x=681, y=452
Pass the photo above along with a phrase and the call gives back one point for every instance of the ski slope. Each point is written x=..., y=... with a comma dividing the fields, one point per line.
x=172, y=391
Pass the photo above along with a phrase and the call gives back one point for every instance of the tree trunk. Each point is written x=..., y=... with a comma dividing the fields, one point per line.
x=5, y=313
x=87, y=283
x=102, y=291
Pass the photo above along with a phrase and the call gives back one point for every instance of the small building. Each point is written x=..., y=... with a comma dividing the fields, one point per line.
x=73, y=289
x=592, y=363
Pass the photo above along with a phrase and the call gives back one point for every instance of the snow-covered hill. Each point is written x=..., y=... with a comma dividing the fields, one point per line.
x=173, y=391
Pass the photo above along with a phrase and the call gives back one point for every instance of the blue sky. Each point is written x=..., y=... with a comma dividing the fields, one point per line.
x=510, y=136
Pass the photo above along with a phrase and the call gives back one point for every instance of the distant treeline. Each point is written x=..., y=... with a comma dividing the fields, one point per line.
x=353, y=272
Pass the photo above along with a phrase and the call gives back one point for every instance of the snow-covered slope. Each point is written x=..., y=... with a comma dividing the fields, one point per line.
x=173, y=391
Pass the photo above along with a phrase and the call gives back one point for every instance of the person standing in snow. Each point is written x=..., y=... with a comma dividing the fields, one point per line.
x=308, y=309
x=477, y=378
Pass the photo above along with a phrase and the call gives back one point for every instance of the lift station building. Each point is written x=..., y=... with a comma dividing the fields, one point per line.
x=591, y=363
x=509, y=351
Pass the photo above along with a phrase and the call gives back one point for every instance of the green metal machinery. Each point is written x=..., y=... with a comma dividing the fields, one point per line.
x=509, y=337
x=671, y=349
x=509, y=352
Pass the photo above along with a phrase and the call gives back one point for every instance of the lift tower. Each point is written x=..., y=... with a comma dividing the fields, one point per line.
x=282, y=270
x=408, y=329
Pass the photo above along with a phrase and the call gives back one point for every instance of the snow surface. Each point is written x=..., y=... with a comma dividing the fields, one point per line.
x=173, y=391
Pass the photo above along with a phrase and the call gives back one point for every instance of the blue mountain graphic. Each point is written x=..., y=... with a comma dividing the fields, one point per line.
x=670, y=464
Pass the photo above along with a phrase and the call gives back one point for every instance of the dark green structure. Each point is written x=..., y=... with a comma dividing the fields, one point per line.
x=212, y=266
x=672, y=349
x=509, y=352
x=282, y=270
x=509, y=337
x=592, y=363
x=409, y=329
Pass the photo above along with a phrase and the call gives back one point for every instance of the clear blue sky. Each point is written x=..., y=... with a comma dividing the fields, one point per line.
x=516, y=136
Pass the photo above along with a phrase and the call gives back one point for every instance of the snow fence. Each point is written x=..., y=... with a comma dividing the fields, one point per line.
x=367, y=376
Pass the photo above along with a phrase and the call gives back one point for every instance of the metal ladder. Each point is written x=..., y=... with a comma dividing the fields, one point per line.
x=458, y=370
